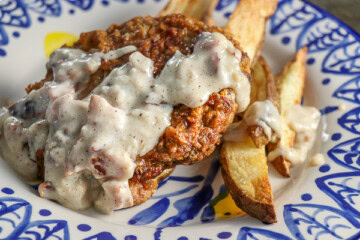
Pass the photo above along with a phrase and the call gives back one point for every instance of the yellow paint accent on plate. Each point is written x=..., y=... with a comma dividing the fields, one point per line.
x=56, y=40
x=227, y=208
x=35, y=182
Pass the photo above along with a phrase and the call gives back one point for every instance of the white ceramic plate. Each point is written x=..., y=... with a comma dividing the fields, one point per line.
x=316, y=203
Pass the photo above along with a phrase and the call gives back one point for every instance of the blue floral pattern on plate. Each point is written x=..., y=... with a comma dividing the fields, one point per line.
x=312, y=27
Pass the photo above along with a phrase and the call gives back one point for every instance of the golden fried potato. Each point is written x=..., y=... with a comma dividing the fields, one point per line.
x=260, y=73
x=290, y=87
x=244, y=163
x=262, y=87
x=245, y=173
x=200, y=9
x=208, y=17
x=248, y=23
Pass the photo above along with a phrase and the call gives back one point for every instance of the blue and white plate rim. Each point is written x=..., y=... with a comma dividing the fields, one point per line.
x=340, y=188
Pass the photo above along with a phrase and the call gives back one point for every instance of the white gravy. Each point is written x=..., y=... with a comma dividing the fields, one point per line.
x=304, y=121
x=342, y=107
x=202, y=73
x=265, y=115
x=317, y=160
x=260, y=113
x=91, y=144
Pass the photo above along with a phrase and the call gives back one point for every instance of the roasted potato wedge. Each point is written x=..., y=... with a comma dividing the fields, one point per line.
x=208, y=17
x=244, y=163
x=290, y=87
x=245, y=173
x=248, y=15
x=260, y=73
x=262, y=87
x=200, y=9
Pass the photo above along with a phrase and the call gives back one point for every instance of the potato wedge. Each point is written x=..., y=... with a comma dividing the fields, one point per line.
x=260, y=73
x=208, y=17
x=244, y=163
x=290, y=87
x=245, y=173
x=248, y=23
x=262, y=87
x=200, y=9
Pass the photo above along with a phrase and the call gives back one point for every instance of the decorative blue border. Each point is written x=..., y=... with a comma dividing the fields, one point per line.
x=16, y=13
x=294, y=21
x=16, y=222
x=323, y=33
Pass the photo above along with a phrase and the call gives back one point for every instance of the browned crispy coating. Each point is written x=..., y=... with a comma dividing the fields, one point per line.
x=194, y=133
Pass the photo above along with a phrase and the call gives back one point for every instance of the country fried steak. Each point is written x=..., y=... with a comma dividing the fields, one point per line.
x=193, y=133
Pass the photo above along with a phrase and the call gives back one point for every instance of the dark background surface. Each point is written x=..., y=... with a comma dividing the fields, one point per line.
x=346, y=10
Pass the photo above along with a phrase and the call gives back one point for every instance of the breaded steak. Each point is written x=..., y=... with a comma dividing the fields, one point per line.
x=193, y=133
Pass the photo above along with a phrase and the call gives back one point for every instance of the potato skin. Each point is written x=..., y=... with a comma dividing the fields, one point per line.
x=244, y=171
x=262, y=211
x=258, y=136
x=282, y=166
x=245, y=161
